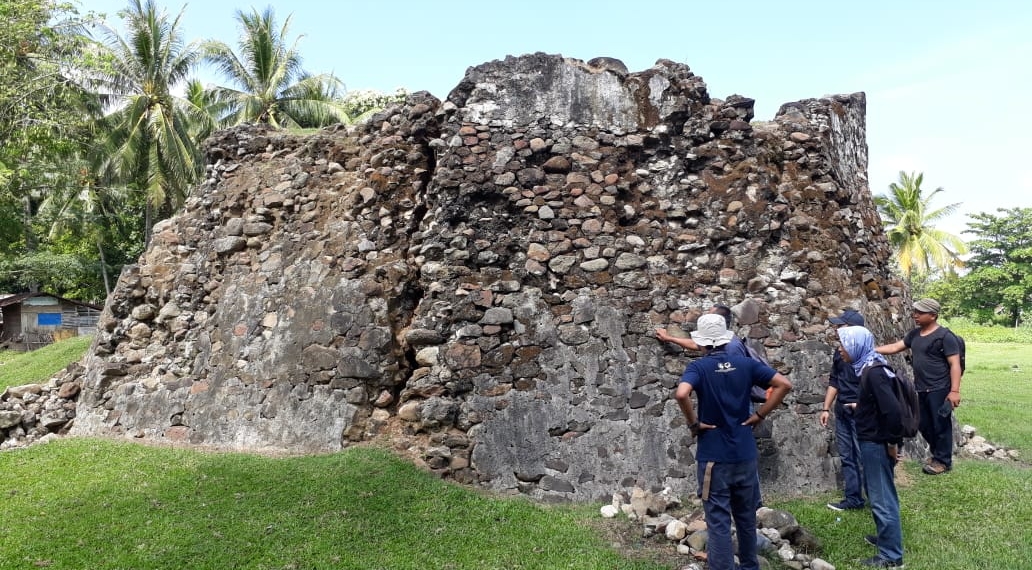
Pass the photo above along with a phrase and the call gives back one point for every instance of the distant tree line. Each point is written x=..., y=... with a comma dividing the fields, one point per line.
x=987, y=279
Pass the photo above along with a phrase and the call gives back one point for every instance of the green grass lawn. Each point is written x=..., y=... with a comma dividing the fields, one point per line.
x=20, y=368
x=92, y=504
x=996, y=393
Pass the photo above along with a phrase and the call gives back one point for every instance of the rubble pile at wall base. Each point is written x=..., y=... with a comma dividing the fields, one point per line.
x=478, y=280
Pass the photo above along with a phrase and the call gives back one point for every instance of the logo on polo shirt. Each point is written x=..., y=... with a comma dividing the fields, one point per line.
x=724, y=367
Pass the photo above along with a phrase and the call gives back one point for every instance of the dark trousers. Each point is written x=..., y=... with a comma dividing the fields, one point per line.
x=729, y=492
x=936, y=428
x=849, y=454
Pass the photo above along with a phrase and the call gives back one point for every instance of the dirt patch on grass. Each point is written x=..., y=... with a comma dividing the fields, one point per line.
x=628, y=538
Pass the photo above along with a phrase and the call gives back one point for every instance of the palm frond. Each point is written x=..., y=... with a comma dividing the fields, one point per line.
x=271, y=85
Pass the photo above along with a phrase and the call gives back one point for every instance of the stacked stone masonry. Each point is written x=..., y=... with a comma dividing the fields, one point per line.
x=477, y=281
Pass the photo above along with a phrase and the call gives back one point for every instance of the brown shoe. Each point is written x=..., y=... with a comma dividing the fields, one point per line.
x=935, y=468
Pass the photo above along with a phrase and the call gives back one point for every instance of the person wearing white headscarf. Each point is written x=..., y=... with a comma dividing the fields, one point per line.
x=879, y=428
x=859, y=343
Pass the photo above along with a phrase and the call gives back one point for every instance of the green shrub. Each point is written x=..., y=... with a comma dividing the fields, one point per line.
x=973, y=332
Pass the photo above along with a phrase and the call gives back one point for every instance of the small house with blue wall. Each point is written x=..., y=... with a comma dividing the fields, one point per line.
x=32, y=320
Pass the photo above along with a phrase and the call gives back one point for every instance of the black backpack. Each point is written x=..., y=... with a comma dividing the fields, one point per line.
x=906, y=393
x=963, y=349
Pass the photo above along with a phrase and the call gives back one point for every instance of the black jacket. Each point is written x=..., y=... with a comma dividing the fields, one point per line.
x=878, y=416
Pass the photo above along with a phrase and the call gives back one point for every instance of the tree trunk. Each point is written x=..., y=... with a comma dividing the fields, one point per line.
x=31, y=243
x=148, y=216
x=103, y=270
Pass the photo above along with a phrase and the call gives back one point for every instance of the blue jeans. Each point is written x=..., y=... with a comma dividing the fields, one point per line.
x=881, y=492
x=733, y=493
x=935, y=428
x=849, y=454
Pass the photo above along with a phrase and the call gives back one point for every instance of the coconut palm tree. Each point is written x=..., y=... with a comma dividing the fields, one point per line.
x=150, y=143
x=910, y=226
x=205, y=108
x=271, y=85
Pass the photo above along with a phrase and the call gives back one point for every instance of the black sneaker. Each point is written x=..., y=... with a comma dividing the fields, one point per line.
x=871, y=539
x=844, y=506
x=878, y=562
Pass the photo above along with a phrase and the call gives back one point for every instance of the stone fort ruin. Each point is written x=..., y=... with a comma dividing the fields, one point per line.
x=477, y=281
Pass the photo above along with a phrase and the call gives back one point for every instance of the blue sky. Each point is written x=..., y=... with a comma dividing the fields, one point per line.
x=947, y=83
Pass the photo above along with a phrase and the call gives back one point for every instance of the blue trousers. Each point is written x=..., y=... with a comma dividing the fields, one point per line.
x=849, y=454
x=881, y=492
x=936, y=428
x=730, y=491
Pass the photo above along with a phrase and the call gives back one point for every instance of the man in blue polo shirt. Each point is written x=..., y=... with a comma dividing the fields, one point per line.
x=726, y=452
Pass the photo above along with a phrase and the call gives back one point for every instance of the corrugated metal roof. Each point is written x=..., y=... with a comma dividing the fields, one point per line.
x=19, y=297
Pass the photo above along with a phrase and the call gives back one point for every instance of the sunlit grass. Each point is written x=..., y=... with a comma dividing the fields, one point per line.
x=991, y=334
x=85, y=503
x=19, y=368
x=996, y=393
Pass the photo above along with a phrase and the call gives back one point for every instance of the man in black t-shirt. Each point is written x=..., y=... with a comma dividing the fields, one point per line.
x=936, y=362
